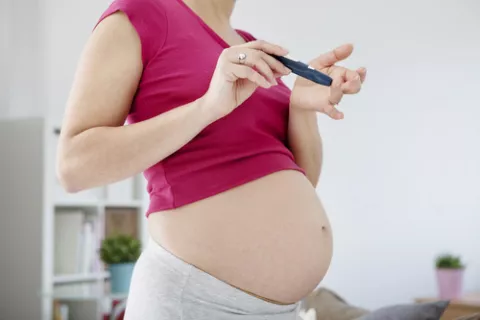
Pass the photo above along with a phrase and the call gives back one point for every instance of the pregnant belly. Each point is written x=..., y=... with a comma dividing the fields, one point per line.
x=269, y=237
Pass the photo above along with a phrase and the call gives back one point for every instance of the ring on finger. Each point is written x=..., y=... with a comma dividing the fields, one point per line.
x=242, y=57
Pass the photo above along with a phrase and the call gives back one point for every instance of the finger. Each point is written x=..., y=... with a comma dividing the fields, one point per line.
x=330, y=58
x=253, y=59
x=350, y=75
x=333, y=113
x=353, y=82
x=261, y=66
x=362, y=72
x=277, y=67
x=336, y=92
x=245, y=72
x=352, y=87
x=266, y=47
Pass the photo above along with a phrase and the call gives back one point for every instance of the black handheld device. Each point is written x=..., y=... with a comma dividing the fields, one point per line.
x=303, y=70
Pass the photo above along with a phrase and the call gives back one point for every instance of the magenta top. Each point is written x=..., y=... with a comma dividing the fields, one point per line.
x=179, y=53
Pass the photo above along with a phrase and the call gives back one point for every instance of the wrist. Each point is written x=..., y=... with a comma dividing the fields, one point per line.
x=297, y=108
x=205, y=110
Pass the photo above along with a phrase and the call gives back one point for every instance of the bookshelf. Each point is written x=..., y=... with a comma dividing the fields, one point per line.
x=52, y=238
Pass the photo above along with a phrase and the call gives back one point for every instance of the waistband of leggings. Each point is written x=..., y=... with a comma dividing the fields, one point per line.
x=218, y=290
x=168, y=258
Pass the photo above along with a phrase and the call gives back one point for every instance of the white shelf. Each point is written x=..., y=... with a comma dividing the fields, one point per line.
x=77, y=203
x=49, y=205
x=73, y=297
x=89, y=277
x=136, y=204
x=84, y=297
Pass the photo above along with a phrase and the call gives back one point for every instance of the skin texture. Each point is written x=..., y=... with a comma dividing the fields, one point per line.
x=270, y=237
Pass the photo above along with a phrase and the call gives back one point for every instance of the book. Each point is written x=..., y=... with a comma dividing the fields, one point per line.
x=60, y=311
x=121, y=221
x=76, y=242
x=67, y=241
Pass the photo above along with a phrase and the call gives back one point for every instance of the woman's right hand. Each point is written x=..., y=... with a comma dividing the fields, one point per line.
x=236, y=79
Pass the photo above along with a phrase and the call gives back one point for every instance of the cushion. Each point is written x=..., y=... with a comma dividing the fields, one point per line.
x=420, y=311
x=330, y=306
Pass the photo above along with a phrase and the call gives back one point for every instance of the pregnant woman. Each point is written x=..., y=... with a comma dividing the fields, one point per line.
x=231, y=155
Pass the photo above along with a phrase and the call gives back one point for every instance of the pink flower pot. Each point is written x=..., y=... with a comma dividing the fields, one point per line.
x=450, y=283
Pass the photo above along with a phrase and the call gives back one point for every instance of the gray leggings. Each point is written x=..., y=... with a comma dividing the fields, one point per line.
x=166, y=288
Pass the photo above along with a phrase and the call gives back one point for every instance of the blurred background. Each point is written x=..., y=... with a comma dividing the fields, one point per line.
x=401, y=177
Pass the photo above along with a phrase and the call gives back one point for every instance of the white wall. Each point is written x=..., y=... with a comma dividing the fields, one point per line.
x=22, y=59
x=402, y=171
x=67, y=27
x=4, y=56
x=41, y=41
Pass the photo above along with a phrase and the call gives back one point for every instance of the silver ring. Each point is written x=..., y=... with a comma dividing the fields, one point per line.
x=242, y=57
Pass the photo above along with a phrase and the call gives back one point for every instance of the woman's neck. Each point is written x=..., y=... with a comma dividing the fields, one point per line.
x=215, y=13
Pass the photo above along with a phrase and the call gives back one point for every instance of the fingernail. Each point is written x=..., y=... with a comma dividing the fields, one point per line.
x=288, y=71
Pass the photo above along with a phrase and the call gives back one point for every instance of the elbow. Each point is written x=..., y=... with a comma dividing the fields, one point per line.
x=68, y=176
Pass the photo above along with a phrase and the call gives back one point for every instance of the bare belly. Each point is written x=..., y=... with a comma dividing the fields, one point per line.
x=269, y=237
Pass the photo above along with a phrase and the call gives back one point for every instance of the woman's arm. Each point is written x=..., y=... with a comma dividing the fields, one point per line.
x=305, y=142
x=95, y=147
x=309, y=98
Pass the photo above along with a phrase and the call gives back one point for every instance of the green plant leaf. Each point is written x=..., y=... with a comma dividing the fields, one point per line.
x=120, y=249
x=448, y=261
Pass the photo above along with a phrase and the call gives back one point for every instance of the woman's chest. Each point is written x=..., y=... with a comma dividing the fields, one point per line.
x=182, y=72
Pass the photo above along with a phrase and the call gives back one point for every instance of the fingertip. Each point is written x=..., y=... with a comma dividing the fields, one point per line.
x=284, y=50
x=338, y=115
x=362, y=71
x=347, y=46
x=267, y=85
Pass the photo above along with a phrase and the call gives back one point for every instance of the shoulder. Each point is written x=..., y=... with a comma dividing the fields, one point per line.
x=136, y=8
x=136, y=3
x=149, y=19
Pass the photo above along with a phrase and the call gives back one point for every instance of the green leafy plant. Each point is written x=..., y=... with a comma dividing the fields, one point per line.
x=120, y=249
x=449, y=261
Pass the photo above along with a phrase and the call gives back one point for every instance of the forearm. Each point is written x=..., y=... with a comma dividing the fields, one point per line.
x=104, y=155
x=305, y=142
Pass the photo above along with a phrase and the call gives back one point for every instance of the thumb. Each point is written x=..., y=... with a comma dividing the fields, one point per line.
x=330, y=58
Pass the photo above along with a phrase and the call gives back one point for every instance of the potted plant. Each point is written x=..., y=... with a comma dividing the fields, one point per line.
x=119, y=253
x=450, y=270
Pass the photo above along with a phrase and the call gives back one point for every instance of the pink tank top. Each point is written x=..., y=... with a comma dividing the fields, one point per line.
x=179, y=53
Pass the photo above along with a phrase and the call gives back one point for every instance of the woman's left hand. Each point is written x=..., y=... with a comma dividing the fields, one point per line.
x=307, y=95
